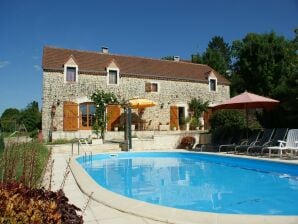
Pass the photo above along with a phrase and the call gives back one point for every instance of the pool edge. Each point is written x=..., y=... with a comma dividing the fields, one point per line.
x=161, y=213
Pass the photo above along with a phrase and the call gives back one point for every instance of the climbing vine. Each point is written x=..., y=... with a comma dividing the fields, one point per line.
x=101, y=99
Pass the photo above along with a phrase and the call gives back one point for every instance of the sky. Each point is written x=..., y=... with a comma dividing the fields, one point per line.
x=146, y=28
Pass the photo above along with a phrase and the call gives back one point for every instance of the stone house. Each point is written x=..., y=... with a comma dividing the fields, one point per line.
x=71, y=76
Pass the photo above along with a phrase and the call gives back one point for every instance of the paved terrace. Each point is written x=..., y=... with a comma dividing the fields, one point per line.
x=97, y=212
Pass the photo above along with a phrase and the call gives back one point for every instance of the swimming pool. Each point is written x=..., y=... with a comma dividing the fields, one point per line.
x=199, y=182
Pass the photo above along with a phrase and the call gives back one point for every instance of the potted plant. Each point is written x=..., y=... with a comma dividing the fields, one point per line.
x=196, y=109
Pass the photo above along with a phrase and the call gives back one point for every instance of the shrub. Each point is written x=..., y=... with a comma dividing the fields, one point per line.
x=187, y=142
x=226, y=123
x=20, y=204
x=228, y=119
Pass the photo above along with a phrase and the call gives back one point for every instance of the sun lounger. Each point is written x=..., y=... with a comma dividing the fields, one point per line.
x=248, y=142
x=280, y=134
x=263, y=141
x=291, y=144
x=85, y=141
x=236, y=140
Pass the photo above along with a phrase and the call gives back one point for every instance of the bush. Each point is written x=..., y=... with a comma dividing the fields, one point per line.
x=228, y=119
x=226, y=123
x=20, y=204
x=194, y=123
x=187, y=142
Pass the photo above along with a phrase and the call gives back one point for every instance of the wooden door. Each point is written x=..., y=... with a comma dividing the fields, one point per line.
x=207, y=115
x=174, y=117
x=70, y=116
x=113, y=116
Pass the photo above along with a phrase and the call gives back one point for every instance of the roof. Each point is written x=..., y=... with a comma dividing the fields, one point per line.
x=96, y=63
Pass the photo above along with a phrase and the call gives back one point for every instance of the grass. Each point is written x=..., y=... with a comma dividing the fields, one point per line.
x=62, y=141
x=24, y=163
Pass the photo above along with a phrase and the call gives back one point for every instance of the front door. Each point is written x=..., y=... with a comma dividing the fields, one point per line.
x=182, y=123
x=174, y=117
x=70, y=116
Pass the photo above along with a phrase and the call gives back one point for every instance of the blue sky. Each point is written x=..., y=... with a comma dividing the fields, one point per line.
x=149, y=28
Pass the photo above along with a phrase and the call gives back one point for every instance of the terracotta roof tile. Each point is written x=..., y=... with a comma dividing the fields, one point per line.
x=96, y=62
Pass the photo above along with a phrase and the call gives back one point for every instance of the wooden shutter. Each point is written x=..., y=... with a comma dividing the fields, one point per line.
x=207, y=115
x=70, y=116
x=148, y=87
x=113, y=116
x=174, y=119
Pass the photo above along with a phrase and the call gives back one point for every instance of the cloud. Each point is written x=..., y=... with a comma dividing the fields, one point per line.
x=3, y=63
x=37, y=68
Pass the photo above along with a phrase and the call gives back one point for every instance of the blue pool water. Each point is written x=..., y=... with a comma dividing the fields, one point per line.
x=199, y=182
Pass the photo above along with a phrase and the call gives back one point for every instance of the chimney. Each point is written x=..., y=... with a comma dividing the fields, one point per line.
x=105, y=50
x=176, y=58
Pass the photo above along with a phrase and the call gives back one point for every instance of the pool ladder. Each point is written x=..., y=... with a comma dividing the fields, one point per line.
x=88, y=157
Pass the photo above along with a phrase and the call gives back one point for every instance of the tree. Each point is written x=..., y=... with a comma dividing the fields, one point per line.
x=101, y=100
x=218, y=44
x=196, y=58
x=267, y=64
x=9, y=119
x=31, y=117
x=2, y=144
x=218, y=55
x=215, y=60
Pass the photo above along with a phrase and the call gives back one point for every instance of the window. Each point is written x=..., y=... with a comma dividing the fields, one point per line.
x=87, y=113
x=154, y=87
x=151, y=87
x=113, y=76
x=71, y=74
x=71, y=71
x=212, y=85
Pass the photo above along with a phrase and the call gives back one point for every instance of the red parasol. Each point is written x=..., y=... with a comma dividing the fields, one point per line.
x=247, y=101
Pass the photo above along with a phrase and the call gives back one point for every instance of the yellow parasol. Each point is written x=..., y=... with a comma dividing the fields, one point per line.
x=141, y=103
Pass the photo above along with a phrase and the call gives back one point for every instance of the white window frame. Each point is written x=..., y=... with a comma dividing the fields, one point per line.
x=209, y=83
x=65, y=73
x=108, y=76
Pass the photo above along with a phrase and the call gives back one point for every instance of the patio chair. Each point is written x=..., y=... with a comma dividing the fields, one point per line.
x=236, y=140
x=280, y=134
x=291, y=144
x=86, y=141
x=219, y=138
x=264, y=140
x=248, y=142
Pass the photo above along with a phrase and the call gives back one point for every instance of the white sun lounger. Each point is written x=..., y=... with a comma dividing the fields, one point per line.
x=290, y=144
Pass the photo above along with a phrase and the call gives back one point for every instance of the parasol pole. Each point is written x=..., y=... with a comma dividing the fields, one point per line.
x=246, y=112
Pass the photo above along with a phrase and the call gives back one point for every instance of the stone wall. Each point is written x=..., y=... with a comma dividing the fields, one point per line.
x=171, y=93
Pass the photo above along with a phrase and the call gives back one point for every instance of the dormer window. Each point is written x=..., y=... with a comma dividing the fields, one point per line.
x=113, y=71
x=113, y=77
x=212, y=85
x=71, y=71
x=71, y=74
x=212, y=82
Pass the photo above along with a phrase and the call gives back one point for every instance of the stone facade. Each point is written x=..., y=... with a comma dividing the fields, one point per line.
x=171, y=93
